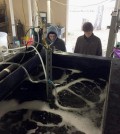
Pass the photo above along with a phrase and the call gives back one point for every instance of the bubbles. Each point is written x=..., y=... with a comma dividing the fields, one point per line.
x=79, y=108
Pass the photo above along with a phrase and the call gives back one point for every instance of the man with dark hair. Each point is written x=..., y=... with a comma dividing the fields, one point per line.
x=53, y=40
x=88, y=43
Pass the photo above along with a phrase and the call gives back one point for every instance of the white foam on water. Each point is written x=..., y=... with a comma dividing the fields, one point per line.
x=69, y=115
x=6, y=106
x=81, y=123
x=66, y=87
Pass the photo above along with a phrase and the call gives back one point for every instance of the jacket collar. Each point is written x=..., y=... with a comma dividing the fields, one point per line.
x=88, y=38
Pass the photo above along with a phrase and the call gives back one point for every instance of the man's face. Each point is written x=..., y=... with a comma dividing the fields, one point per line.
x=88, y=34
x=52, y=37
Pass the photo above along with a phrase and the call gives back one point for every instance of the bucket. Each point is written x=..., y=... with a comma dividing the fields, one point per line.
x=3, y=42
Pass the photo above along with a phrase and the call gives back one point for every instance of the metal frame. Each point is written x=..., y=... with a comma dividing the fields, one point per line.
x=49, y=74
x=113, y=29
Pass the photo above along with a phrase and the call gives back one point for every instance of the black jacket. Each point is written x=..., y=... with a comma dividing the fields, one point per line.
x=58, y=43
x=89, y=46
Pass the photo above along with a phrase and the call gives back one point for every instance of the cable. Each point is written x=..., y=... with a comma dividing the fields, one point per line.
x=41, y=61
x=4, y=55
x=41, y=24
x=35, y=19
x=59, y=2
x=39, y=57
x=25, y=44
x=26, y=49
x=78, y=5
x=92, y=4
x=38, y=81
x=18, y=48
x=37, y=5
x=22, y=52
x=33, y=34
x=28, y=30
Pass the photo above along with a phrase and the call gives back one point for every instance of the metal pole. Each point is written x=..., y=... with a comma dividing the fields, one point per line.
x=12, y=18
x=113, y=30
x=30, y=16
x=49, y=74
x=48, y=12
x=67, y=19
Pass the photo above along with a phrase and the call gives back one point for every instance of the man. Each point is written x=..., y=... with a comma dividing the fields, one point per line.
x=53, y=40
x=88, y=43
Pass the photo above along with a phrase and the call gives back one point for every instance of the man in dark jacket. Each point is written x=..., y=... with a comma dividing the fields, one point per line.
x=88, y=43
x=53, y=40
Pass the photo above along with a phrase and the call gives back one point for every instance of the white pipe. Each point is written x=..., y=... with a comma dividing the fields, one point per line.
x=12, y=18
x=30, y=24
x=35, y=13
x=48, y=12
x=67, y=19
x=117, y=5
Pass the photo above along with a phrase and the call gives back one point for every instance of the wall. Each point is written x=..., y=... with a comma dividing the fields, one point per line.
x=58, y=10
x=21, y=11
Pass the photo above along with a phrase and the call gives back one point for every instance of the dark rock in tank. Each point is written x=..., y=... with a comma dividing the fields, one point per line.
x=29, y=124
x=67, y=99
x=46, y=117
x=13, y=117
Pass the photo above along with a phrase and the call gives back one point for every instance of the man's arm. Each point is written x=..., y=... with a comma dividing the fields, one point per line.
x=99, y=49
x=76, y=46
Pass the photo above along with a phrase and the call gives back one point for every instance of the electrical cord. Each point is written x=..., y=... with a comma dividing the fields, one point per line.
x=24, y=48
x=21, y=51
x=23, y=54
x=39, y=58
x=17, y=48
x=41, y=61
x=33, y=36
x=40, y=20
x=4, y=55
x=41, y=24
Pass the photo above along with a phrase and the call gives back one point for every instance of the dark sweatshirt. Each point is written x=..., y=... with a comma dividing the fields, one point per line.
x=89, y=46
x=58, y=43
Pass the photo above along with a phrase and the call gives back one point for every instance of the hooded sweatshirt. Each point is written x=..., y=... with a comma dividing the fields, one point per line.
x=57, y=43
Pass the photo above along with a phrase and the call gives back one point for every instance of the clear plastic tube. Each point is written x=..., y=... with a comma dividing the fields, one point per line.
x=41, y=61
x=18, y=48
